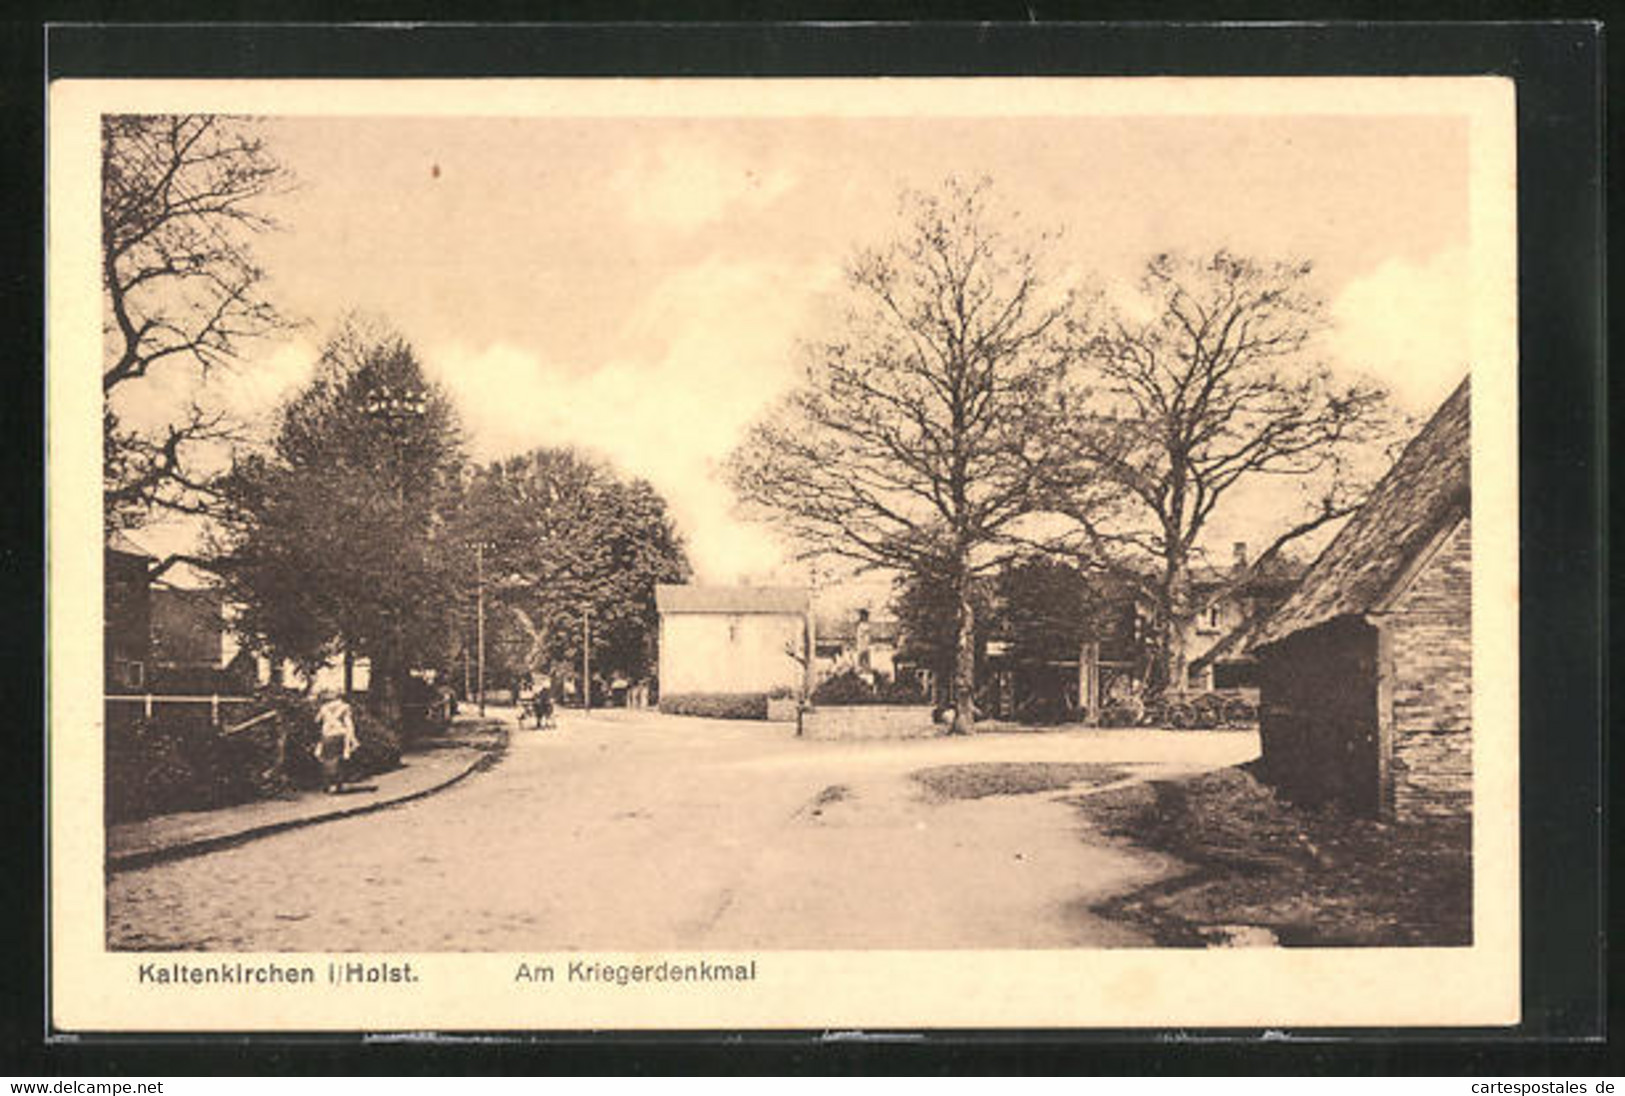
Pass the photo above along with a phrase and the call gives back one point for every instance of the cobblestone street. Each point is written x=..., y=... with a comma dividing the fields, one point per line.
x=635, y=831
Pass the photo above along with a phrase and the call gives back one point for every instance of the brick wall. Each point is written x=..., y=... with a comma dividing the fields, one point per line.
x=1430, y=632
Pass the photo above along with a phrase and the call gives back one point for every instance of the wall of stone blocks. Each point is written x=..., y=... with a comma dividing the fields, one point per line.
x=862, y=721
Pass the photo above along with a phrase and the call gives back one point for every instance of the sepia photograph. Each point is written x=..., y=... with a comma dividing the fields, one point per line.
x=837, y=541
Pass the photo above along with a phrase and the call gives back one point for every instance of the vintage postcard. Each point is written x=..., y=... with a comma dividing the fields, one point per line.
x=841, y=553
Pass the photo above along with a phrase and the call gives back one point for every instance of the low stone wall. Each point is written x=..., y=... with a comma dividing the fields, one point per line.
x=860, y=721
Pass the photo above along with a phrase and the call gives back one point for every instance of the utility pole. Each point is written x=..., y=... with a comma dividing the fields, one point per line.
x=479, y=618
x=586, y=659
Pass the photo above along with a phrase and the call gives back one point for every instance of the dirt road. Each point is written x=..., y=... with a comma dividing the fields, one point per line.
x=633, y=831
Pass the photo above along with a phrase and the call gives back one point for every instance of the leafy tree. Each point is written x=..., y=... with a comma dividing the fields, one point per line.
x=927, y=607
x=181, y=201
x=1207, y=385
x=335, y=539
x=1048, y=609
x=567, y=539
x=920, y=436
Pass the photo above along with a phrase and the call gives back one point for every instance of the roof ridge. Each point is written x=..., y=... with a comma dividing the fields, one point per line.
x=1428, y=485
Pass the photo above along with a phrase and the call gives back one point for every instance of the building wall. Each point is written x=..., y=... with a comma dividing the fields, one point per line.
x=1429, y=635
x=188, y=628
x=126, y=622
x=1318, y=715
x=729, y=652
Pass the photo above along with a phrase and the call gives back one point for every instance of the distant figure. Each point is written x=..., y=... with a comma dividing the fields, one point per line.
x=543, y=706
x=338, y=741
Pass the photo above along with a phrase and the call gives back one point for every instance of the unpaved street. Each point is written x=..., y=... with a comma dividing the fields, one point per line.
x=633, y=831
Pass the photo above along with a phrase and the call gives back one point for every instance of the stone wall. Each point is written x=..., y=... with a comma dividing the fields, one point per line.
x=1430, y=636
x=861, y=721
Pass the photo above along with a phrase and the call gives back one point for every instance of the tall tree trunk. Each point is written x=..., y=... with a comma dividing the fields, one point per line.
x=964, y=687
x=349, y=673
x=384, y=684
x=1172, y=661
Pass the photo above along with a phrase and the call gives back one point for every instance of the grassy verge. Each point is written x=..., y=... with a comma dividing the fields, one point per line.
x=1311, y=877
x=977, y=781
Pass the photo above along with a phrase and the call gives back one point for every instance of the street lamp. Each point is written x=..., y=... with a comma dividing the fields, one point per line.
x=395, y=408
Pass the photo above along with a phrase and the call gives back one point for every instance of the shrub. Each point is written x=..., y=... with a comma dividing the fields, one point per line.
x=1239, y=711
x=151, y=768
x=716, y=705
x=177, y=760
x=845, y=687
x=900, y=691
x=1044, y=708
x=783, y=692
x=380, y=748
x=1207, y=711
x=1128, y=712
x=245, y=765
x=423, y=711
x=849, y=687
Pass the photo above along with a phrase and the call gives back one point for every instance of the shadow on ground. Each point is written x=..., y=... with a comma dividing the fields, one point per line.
x=1263, y=871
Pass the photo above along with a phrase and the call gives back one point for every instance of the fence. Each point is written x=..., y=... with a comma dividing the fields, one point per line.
x=225, y=708
x=217, y=704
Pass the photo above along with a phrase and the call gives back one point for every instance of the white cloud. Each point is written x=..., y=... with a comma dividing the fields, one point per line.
x=255, y=391
x=1407, y=324
x=688, y=184
x=721, y=338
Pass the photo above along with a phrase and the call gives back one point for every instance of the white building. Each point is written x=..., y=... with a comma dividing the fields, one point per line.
x=733, y=639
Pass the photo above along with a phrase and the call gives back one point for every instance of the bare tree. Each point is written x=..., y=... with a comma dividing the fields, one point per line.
x=1208, y=384
x=920, y=433
x=180, y=289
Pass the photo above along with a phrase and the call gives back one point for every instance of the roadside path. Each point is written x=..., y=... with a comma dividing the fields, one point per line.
x=434, y=765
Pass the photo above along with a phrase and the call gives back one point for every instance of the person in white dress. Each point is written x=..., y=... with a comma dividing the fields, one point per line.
x=338, y=743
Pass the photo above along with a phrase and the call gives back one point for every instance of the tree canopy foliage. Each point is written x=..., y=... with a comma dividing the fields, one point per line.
x=335, y=538
x=567, y=538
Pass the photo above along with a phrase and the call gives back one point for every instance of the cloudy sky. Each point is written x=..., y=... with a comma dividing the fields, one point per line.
x=638, y=285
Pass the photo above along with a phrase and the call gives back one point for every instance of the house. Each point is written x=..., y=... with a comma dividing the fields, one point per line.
x=162, y=637
x=734, y=639
x=1366, y=670
x=1216, y=642
x=126, y=614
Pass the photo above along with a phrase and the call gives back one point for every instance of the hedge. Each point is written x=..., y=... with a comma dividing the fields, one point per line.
x=178, y=761
x=716, y=705
x=849, y=687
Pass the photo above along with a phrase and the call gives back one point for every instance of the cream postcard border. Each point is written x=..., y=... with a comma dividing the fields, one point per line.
x=92, y=989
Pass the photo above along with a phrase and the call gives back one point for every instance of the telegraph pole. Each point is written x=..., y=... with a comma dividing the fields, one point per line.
x=586, y=659
x=479, y=618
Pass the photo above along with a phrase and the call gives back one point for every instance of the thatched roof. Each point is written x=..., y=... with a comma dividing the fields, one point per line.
x=793, y=600
x=1427, y=489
